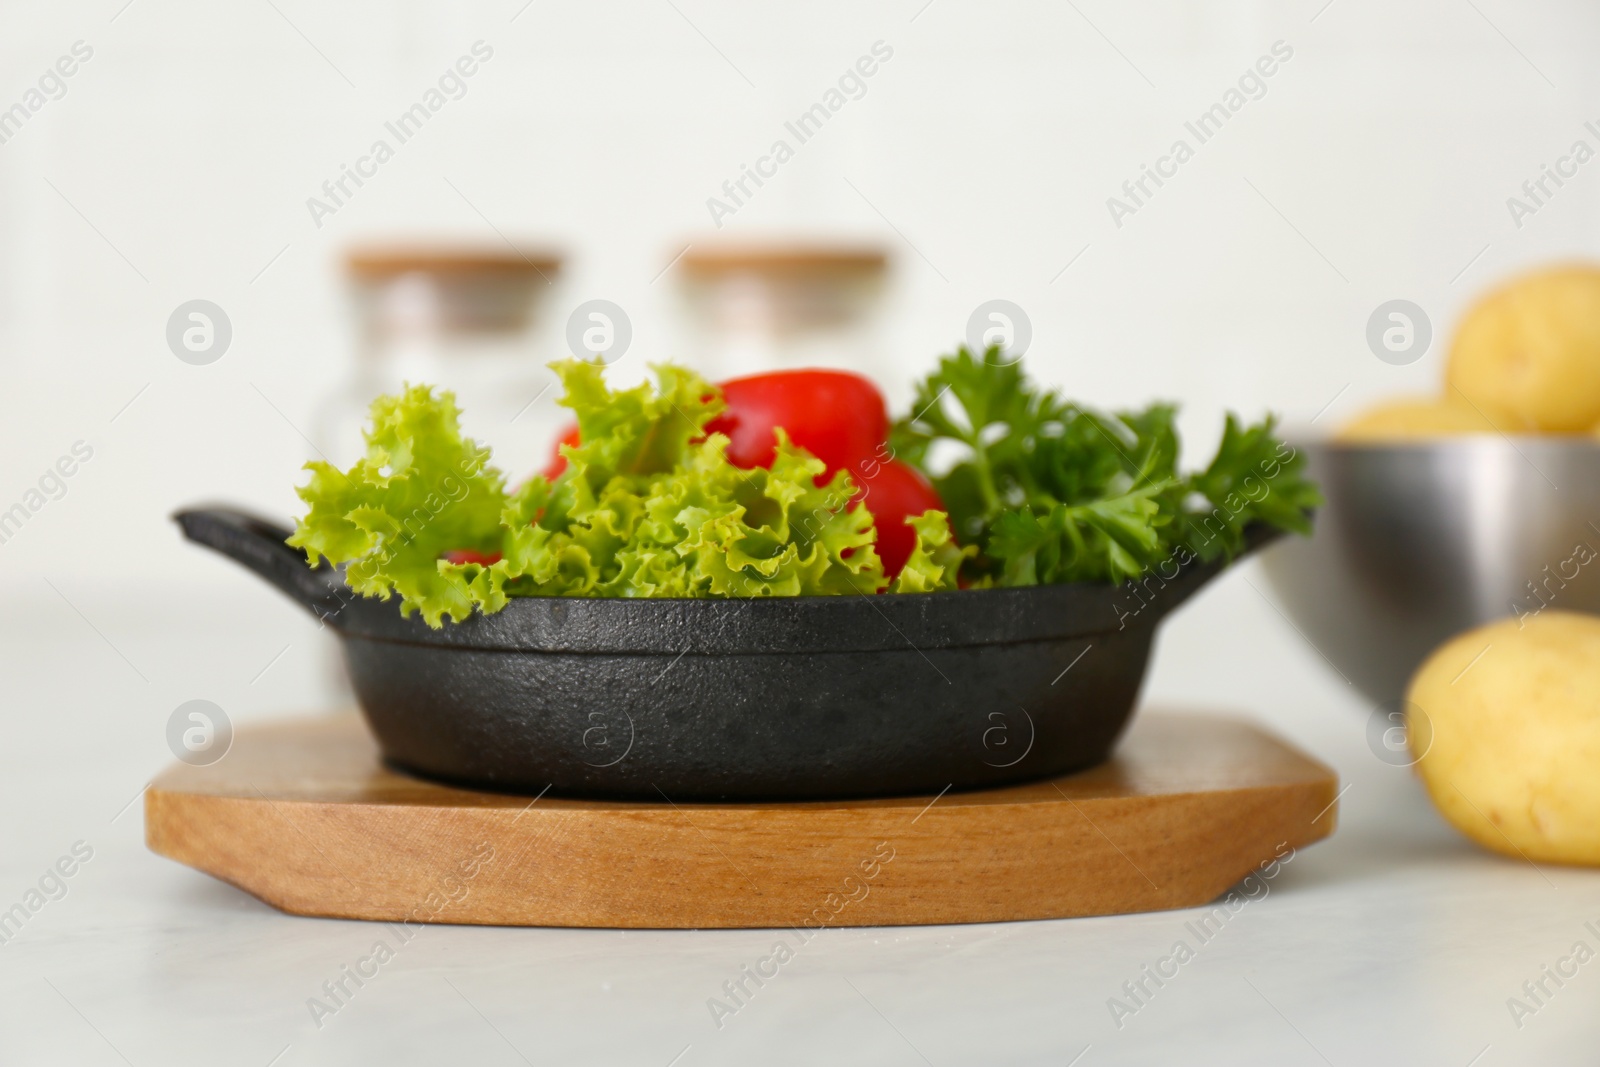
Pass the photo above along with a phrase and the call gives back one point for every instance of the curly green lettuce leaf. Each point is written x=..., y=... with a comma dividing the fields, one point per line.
x=648, y=506
x=643, y=430
x=935, y=560
x=704, y=528
x=786, y=536
x=422, y=488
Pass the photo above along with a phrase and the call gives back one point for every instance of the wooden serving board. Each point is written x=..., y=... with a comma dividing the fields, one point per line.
x=304, y=815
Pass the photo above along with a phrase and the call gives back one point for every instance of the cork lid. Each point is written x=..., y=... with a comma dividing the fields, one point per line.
x=781, y=258
x=379, y=262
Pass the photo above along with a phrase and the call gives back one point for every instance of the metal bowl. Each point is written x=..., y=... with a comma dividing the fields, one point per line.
x=1418, y=542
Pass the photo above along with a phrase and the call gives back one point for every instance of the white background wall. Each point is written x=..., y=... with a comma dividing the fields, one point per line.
x=179, y=161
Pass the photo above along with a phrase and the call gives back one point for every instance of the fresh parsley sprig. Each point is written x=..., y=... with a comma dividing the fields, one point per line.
x=1050, y=491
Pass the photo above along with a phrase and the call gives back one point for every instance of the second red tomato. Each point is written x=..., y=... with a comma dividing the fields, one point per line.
x=895, y=493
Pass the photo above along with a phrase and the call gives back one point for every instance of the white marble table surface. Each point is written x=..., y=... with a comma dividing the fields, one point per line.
x=1394, y=942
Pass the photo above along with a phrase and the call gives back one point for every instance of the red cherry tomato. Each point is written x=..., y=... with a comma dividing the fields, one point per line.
x=471, y=555
x=836, y=416
x=894, y=493
x=558, y=462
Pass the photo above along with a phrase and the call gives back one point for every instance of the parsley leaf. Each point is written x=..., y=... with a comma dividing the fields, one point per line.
x=1050, y=491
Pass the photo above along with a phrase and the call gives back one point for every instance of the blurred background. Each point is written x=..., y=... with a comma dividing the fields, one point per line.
x=186, y=155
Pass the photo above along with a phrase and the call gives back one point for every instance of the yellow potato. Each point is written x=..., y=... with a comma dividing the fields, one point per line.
x=1528, y=354
x=1411, y=419
x=1508, y=744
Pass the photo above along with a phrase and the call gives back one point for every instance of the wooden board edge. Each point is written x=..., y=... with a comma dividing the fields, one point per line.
x=172, y=817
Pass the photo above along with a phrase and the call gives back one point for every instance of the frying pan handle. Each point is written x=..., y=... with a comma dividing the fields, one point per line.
x=259, y=545
x=1186, y=585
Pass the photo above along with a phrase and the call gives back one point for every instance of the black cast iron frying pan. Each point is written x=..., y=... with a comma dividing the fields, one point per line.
x=786, y=698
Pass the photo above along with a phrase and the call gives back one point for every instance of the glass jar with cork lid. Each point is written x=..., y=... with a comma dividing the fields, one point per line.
x=783, y=305
x=460, y=318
